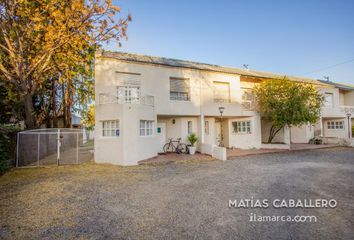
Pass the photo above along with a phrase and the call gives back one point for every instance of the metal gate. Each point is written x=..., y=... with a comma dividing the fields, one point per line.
x=62, y=146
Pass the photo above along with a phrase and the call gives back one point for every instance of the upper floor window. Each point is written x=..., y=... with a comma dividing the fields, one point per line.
x=221, y=92
x=242, y=126
x=128, y=86
x=179, y=89
x=146, y=127
x=128, y=94
x=328, y=99
x=247, y=98
x=335, y=125
x=110, y=128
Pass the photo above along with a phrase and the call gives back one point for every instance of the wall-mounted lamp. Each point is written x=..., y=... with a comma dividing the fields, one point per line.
x=173, y=121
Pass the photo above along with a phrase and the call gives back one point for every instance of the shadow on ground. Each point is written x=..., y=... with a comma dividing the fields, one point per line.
x=179, y=200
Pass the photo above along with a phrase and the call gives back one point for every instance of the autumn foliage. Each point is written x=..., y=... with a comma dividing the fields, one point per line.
x=47, y=50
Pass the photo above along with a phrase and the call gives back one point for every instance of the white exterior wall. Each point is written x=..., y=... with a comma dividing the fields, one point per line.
x=245, y=140
x=335, y=133
x=302, y=134
x=340, y=100
x=129, y=147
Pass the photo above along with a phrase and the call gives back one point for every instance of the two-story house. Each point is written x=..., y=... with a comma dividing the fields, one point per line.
x=142, y=101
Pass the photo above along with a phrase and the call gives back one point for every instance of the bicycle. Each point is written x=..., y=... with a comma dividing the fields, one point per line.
x=171, y=147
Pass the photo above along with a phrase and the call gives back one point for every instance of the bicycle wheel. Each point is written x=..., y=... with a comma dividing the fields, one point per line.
x=167, y=148
x=183, y=148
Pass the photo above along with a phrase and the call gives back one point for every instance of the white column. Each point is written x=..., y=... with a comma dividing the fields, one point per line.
x=201, y=132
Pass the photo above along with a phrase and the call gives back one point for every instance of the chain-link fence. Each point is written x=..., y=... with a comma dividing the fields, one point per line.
x=54, y=146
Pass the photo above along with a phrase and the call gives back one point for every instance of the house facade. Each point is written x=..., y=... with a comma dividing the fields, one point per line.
x=142, y=102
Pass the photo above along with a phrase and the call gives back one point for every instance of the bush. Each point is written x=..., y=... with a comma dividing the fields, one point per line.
x=192, y=138
x=7, y=146
x=316, y=140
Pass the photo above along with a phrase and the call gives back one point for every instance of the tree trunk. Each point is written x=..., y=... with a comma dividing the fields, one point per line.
x=273, y=132
x=29, y=110
x=54, y=106
x=67, y=104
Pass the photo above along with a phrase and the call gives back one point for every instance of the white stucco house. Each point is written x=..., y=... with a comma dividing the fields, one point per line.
x=142, y=101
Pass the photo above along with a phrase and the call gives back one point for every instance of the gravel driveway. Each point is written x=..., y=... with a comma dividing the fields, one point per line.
x=180, y=200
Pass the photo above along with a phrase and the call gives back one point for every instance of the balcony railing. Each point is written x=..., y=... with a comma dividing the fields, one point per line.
x=347, y=109
x=107, y=98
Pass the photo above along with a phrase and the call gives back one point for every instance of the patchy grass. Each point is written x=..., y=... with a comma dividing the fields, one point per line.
x=33, y=200
x=183, y=200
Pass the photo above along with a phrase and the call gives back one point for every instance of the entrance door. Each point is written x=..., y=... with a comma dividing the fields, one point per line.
x=161, y=135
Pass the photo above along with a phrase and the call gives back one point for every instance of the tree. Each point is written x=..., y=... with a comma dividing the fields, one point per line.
x=287, y=103
x=43, y=41
x=88, y=119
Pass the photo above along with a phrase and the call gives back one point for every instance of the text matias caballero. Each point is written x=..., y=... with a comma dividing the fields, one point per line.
x=283, y=203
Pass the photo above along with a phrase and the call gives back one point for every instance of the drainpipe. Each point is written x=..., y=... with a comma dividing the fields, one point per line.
x=349, y=127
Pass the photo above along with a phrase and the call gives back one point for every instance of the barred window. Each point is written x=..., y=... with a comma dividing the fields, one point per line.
x=242, y=126
x=110, y=128
x=146, y=128
x=335, y=125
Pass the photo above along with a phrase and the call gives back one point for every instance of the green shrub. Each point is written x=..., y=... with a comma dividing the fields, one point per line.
x=192, y=138
x=7, y=146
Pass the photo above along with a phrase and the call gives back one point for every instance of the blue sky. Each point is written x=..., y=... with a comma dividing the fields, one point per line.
x=289, y=37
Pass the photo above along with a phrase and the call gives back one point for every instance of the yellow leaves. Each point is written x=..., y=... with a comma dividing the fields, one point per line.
x=115, y=8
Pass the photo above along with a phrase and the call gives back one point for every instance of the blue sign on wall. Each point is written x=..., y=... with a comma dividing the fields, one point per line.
x=117, y=132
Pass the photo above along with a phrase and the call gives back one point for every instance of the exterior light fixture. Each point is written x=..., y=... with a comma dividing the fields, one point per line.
x=221, y=110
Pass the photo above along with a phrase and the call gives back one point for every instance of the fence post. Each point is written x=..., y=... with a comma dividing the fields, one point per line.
x=17, y=146
x=38, y=138
x=77, y=148
x=58, y=146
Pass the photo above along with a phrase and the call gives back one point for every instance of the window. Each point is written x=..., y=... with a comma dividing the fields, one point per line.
x=110, y=128
x=146, y=128
x=128, y=94
x=179, y=89
x=247, y=99
x=335, y=125
x=328, y=99
x=242, y=127
x=206, y=127
x=221, y=92
x=189, y=127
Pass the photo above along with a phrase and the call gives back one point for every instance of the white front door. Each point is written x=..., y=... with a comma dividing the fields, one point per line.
x=161, y=135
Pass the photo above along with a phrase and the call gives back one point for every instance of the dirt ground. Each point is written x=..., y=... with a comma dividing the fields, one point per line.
x=185, y=200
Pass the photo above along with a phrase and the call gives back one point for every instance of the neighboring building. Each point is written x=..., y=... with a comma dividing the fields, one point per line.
x=142, y=101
